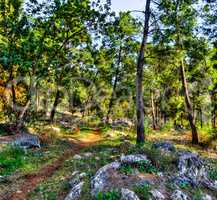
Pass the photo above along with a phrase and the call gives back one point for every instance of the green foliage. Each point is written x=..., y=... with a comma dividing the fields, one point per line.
x=197, y=195
x=11, y=158
x=111, y=195
x=213, y=174
x=159, y=161
x=143, y=191
x=184, y=185
x=142, y=166
x=126, y=169
x=146, y=167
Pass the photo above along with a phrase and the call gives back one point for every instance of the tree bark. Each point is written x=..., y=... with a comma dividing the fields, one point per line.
x=188, y=105
x=55, y=104
x=139, y=77
x=201, y=118
x=37, y=100
x=154, y=125
x=20, y=120
x=111, y=102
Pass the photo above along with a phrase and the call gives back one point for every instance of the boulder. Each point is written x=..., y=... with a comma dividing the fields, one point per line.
x=157, y=195
x=191, y=168
x=27, y=141
x=179, y=195
x=128, y=195
x=99, y=180
x=130, y=159
x=75, y=192
x=164, y=146
x=210, y=184
x=122, y=122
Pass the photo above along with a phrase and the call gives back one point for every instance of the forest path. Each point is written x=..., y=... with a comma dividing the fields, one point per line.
x=32, y=180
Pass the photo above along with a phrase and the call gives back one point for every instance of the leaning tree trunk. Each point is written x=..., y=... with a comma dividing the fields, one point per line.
x=55, y=104
x=189, y=105
x=139, y=77
x=111, y=102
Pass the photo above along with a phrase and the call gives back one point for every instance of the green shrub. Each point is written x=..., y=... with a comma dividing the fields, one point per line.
x=142, y=166
x=11, y=158
x=184, y=185
x=126, y=169
x=213, y=174
x=143, y=191
x=111, y=195
x=146, y=166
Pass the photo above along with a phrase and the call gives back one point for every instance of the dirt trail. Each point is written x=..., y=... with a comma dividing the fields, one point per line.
x=32, y=180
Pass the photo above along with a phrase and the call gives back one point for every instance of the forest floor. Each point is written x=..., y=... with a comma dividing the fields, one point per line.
x=43, y=174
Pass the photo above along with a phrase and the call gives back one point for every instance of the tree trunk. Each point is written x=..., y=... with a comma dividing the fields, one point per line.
x=37, y=100
x=55, y=104
x=20, y=120
x=154, y=125
x=201, y=118
x=188, y=105
x=139, y=77
x=111, y=102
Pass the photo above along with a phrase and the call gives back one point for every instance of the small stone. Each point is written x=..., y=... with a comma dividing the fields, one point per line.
x=77, y=157
x=128, y=195
x=88, y=154
x=160, y=174
x=179, y=195
x=206, y=197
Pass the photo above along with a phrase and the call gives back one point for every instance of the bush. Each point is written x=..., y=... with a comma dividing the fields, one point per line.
x=213, y=174
x=142, y=166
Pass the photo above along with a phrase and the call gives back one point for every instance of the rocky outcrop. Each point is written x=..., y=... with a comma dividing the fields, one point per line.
x=207, y=197
x=191, y=169
x=130, y=159
x=77, y=178
x=164, y=146
x=75, y=192
x=99, y=180
x=210, y=184
x=27, y=141
x=128, y=195
x=157, y=195
x=76, y=184
x=179, y=195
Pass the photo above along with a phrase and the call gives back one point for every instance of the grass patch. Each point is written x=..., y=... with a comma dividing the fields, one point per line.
x=11, y=158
